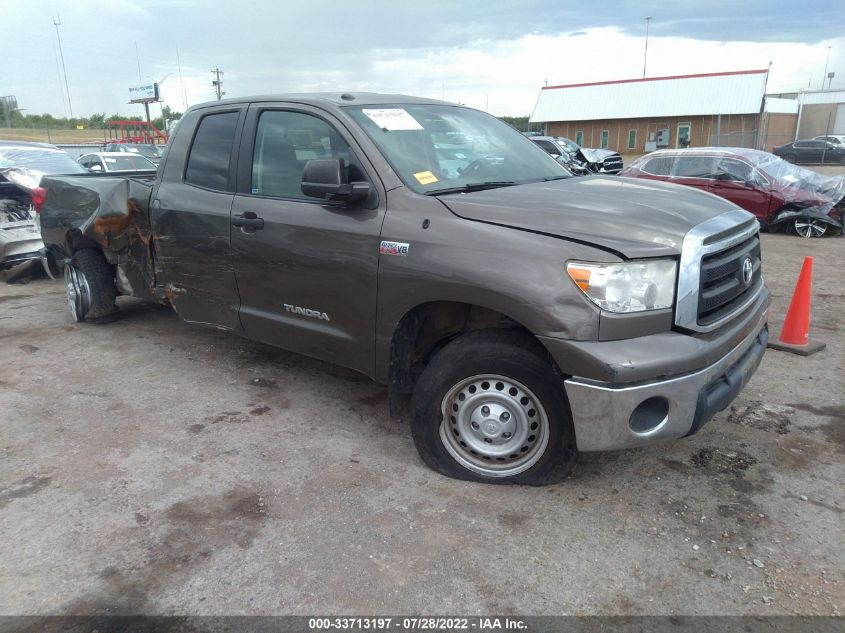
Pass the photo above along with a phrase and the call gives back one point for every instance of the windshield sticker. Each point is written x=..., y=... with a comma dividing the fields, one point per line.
x=393, y=119
x=425, y=177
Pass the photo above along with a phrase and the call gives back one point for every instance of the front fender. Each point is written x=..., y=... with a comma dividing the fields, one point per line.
x=793, y=213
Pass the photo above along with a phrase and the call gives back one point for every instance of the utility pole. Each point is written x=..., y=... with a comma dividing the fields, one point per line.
x=827, y=59
x=181, y=85
x=57, y=22
x=217, y=84
x=645, y=53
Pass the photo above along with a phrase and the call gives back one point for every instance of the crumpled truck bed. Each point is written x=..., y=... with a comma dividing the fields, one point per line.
x=111, y=212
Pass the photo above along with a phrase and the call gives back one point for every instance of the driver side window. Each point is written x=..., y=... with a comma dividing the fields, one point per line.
x=284, y=142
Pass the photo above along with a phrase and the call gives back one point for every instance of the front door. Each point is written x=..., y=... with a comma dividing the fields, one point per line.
x=308, y=276
x=737, y=181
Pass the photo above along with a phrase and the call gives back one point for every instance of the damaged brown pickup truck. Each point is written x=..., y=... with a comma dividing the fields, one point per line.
x=526, y=315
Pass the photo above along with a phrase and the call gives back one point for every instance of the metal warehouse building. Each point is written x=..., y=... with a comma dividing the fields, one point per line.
x=640, y=115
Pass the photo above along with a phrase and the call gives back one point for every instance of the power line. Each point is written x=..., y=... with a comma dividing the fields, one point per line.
x=217, y=84
x=57, y=22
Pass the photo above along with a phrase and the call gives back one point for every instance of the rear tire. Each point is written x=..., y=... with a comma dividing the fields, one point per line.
x=89, y=282
x=490, y=408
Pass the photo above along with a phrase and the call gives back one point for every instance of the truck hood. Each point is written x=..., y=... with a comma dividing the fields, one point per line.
x=629, y=216
x=597, y=155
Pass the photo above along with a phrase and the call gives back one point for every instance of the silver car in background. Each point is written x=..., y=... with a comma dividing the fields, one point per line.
x=22, y=165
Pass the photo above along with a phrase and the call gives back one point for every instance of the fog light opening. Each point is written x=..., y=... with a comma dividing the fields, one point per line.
x=649, y=415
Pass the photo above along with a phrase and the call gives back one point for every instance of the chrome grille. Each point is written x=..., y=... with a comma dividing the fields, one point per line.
x=723, y=285
x=711, y=288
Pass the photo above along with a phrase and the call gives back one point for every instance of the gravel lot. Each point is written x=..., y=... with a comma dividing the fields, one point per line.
x=148, y=466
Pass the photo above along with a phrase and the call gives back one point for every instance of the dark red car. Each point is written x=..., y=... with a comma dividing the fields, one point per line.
x=781, y=195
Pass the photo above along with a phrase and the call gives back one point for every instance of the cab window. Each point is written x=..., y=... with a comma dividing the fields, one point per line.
x=211, y=151
x=284, y=142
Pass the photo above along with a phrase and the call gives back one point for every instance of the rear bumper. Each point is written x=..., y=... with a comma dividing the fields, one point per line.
x=609, y=417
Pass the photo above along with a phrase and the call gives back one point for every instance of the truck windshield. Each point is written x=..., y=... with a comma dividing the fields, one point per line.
x=442, y=148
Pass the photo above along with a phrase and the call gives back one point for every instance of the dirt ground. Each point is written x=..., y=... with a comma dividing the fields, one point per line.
x=148, y=466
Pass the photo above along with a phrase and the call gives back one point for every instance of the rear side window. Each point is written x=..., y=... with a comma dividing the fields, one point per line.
x=661, y=166
x=211, y=152
x=548, y=146
x=694, y=167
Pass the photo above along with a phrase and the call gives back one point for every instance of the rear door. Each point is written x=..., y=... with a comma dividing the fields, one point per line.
x=190, y=212
x=308, y=276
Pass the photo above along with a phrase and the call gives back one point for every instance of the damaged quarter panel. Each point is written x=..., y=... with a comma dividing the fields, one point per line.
x=107, y=212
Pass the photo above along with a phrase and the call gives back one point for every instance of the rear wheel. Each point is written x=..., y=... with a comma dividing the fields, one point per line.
x=489, y=407
x=89, y=284
x=808, y=227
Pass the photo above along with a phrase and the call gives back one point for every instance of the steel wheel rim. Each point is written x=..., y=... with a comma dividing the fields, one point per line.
x=493, y=425
x=78, y=293
x=810, y=228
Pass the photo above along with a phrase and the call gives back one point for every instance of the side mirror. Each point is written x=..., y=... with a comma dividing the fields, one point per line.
x=325, y=178
x=95, y=168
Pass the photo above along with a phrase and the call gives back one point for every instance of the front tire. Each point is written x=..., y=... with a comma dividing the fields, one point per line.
x=808, y=227
x=490, y=408
x=89, y=284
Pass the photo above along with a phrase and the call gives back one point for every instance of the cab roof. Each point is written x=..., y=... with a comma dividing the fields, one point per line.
x=330, y=99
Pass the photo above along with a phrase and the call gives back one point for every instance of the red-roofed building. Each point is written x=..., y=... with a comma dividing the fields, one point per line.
x=637, y=115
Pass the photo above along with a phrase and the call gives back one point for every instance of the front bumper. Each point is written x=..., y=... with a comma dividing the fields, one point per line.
x=606, y=415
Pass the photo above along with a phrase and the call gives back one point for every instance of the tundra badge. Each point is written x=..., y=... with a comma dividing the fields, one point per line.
x=399, y=249
x=314, y=314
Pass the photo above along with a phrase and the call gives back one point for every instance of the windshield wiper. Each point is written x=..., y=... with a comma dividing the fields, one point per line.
x=473, y=186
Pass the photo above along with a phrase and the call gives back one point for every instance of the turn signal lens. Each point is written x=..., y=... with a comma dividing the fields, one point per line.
x=39, y=194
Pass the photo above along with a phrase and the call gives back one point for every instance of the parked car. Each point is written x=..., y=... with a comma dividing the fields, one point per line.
x=779, y=194
x=526, y=314
x=836, y=139
x=584, y=160
x=147, y=150
x=21, y=167
x=812, y=151
x=116, y=161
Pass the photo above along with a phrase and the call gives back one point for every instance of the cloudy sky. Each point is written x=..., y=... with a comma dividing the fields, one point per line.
x=488, y=54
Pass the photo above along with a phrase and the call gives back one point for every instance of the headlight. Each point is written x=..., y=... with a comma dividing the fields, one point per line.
x=630, y=287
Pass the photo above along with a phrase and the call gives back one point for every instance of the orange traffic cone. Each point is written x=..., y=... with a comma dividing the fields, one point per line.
x=795, y=334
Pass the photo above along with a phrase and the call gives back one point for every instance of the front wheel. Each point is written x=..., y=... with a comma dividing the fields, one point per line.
x=808, y=227
x=490, y=408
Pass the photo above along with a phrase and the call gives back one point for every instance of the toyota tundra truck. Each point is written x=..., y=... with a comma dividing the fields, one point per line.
x=517, y=315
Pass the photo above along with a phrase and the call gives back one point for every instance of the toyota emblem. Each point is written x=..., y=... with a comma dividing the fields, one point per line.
x=747, y=271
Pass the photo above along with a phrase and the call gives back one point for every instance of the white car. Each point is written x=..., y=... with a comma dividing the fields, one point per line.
x=116, y=161
x=836, y=139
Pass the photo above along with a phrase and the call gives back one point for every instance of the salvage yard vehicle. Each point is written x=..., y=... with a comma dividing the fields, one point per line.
x=781, y=195
x=115, y=161
x=579, y=160
x=21, y=166
x=813, y=151
x=520, y=314
x=147, y=150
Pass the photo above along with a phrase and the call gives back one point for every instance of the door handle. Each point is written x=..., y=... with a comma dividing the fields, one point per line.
x=248, y=220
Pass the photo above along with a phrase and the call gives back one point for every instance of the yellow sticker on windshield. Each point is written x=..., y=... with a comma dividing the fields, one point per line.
x=425, y=177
